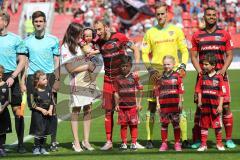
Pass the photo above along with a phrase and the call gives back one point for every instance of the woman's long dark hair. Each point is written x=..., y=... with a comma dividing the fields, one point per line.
x=72, y=35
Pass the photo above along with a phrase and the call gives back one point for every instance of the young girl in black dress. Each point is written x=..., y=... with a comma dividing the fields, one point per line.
x=42, y=106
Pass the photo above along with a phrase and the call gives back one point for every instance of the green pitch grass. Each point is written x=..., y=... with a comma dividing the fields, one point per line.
x=97, y=135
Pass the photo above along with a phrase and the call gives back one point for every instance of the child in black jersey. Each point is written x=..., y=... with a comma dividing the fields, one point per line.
x=42, y=107
x=5, y=121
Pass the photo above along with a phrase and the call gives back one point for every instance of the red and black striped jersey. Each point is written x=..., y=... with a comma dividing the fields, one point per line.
x=217, y=42
x=126, y=87
x=211, y=88
x=112, y=50
x=168, y=92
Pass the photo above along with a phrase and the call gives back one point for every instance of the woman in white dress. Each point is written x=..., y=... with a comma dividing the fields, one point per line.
x=81, y=95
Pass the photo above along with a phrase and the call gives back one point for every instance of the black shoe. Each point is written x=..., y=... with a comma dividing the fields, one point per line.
x=186, y=144
x=21, y=149
x=2, y=152
x=149, y=144
x=54, y=147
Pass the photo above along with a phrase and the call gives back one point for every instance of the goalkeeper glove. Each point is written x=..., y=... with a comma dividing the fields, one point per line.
x=182, y=70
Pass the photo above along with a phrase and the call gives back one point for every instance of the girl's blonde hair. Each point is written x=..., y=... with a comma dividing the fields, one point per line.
x=169, y=57
x=36, y=77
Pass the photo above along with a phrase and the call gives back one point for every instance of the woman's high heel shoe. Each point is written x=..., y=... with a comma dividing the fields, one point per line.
x=76, y=149
x=87, y=147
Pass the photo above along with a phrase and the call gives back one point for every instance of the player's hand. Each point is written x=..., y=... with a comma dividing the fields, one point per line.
x=199, y=104
x=154, y=75
x=10, y=81
x=50, y=112
x=180, y=106
x=117, y=108
x=139, y=107
x=158, y=108
x=56, y=86
x=221, y=71
x=182, y=70
x=219, y=109
x=44, y=112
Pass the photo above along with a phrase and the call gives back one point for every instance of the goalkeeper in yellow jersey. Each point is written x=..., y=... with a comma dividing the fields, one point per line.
x=159, y=41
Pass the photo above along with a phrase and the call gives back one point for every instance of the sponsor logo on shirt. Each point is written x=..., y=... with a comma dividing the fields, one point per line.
x=217, y=38
x=210, y=48
x=4, y=90
x=215, y=82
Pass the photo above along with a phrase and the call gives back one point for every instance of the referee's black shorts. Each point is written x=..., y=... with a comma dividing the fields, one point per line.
x=16, y=95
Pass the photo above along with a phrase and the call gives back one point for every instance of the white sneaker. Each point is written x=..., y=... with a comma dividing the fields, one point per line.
x=133, y=147
x=107, y=146
x=123, y=146
x=202, y=148
x=220, y=148
x=76, y=149
x=139, y=146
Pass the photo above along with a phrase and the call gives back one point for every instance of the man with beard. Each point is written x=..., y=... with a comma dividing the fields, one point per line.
x=112, y=48
x=218, y=42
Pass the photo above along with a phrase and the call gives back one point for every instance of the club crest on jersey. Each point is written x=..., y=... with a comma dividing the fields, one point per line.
x=171, y=33
x=217, y=38
x=217, y=123
x=174, y=81
x=215, y=82
x=4, y=90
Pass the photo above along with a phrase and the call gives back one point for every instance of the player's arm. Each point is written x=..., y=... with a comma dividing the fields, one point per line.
x=24, y=76
x=181, y=92
x=135, y=50
x=182, y=46
x=194, y=55
x=146, y=50
x=229, y=54
x=56, y=59
x=116, y=99
x=195, y=61
x=228, y=61
x=139, y=92
x=199, y=91
x=180, y=104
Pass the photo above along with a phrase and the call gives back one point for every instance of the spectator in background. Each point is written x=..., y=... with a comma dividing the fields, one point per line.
x=28, y=26
x=177, y=10
x=78, y=17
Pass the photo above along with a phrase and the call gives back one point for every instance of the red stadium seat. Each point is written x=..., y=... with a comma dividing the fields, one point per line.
x=187, y=23
x=232, y=30
x=194, y=23
x=186, y=16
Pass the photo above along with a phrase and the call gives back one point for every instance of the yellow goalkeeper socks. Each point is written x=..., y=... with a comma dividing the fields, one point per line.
x=150, y=125
x=183, y=125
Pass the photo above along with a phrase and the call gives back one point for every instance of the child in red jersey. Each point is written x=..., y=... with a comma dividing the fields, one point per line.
x=127, y=97
x=210, y=88
x=169, y=93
